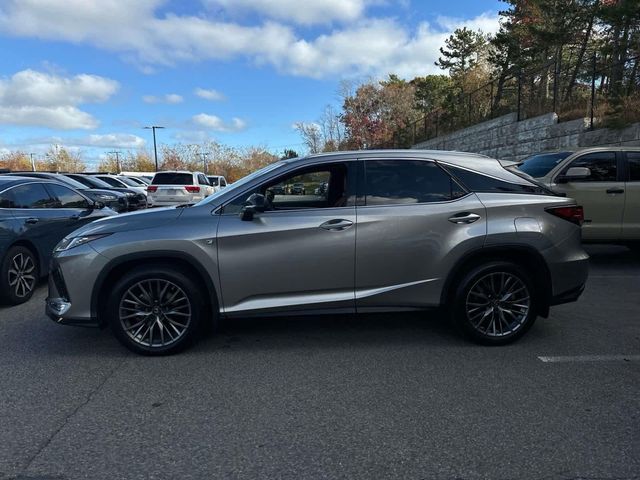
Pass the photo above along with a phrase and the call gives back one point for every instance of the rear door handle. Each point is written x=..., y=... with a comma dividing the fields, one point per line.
x=337, y=224
x=32, y=220
x=464, y=217
x=615, y=190
x=74, y=217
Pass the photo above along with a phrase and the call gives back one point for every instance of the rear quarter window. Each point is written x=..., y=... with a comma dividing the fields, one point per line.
x=476, y=182
x=168, y=178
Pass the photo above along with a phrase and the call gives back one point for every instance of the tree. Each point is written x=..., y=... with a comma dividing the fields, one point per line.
x=288, y=153
x=15, y=161
x=59, y=159
x=463, y=51
x=432, y=92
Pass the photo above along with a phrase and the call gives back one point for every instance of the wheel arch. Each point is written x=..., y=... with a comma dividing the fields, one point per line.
x=119, y=266
x=525, y=256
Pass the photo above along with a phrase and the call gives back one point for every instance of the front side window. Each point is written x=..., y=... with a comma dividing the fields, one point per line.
x=325, y=186
x=67, y=198
x=633, y=159
x=391, y=182
x=603, y=166
x=33, y=195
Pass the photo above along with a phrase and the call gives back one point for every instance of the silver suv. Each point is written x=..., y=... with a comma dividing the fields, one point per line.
x=393, y=230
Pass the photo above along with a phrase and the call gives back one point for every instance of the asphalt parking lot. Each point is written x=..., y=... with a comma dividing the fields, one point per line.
x=371, y=397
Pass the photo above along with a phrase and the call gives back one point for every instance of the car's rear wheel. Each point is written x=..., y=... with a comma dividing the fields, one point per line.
x=494, y=303
x=19, y=275
x=155, y=310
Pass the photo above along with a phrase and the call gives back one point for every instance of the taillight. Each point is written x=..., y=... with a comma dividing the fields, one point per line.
x=192, y=189
x=574, y=214
x=152, y=188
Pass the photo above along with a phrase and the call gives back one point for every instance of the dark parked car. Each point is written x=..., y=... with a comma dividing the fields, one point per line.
x=117, y=201
x=34, y=216
x=135, y=199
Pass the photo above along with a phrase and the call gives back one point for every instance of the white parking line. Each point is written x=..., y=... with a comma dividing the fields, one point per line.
x=591, y=358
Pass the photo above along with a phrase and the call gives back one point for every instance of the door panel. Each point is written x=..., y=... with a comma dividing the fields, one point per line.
x=602, y=211
x=404, y=252
x=602, y=195
x=631, y=217
x=286, y=260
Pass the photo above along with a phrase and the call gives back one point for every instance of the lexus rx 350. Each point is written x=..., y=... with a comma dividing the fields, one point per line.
x=396, y=230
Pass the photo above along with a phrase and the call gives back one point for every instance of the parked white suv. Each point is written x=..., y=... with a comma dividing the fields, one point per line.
x=176, y=187
x=218, y=182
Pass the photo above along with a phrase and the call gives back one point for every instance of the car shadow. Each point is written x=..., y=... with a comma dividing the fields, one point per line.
x=613, y=258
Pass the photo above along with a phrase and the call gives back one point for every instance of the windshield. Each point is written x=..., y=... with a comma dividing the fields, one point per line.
x=240, y=183
x=539, y=165
x=128, y=181
x=92, y=182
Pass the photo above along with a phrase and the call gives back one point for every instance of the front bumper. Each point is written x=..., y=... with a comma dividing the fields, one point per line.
x=71, y=281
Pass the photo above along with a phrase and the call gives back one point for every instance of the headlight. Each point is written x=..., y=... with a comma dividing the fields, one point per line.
x=102, y=196
x=71, y=242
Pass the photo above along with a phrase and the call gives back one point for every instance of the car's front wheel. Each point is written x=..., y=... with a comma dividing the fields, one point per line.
x=18, y=276
x=494, y=303
x=155, y=310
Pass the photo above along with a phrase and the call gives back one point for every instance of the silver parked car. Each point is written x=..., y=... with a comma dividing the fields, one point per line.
x=396, y=230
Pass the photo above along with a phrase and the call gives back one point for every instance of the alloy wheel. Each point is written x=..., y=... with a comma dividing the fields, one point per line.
x=155, y=313
x=498, y=304
x=21, y=275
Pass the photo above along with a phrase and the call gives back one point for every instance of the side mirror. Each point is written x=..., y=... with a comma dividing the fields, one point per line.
x=254, y=204
x=574, y=173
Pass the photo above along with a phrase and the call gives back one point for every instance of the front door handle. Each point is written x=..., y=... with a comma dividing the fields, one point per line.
x=32, y=220
x=615, y=190
x=464, y=217
x=74, y=217
x=337, y=224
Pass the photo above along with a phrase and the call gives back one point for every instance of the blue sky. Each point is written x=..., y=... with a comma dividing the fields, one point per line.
x=90, y=75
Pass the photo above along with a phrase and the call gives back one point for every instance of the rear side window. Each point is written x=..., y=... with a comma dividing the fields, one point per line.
x=392, y=182
x=170, y=178
x=202, y=180
x=476, y=182
x=33, y=195
x=214, y=181
x=603, y=166
x=112, y=181
x=67, y=198
x=633, y=159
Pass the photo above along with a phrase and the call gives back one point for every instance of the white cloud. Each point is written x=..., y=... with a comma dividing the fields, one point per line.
x=208, y=94
x=363, y=46
x=40, y=99
x=106, y=140
x=305, y=12
x=112, y=140
x=170, y=98
x=213, y=122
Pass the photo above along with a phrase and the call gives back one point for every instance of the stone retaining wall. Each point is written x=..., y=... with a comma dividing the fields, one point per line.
x=507, y=139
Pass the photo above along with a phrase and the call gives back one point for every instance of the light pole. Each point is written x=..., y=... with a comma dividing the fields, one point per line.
x=117, y=154
x=155, y=149
x=203, y=157
x=33, y=163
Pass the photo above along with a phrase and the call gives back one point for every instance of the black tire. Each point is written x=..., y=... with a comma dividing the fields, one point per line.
x=157, y=310
x=486, y=322
x=19, y=275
